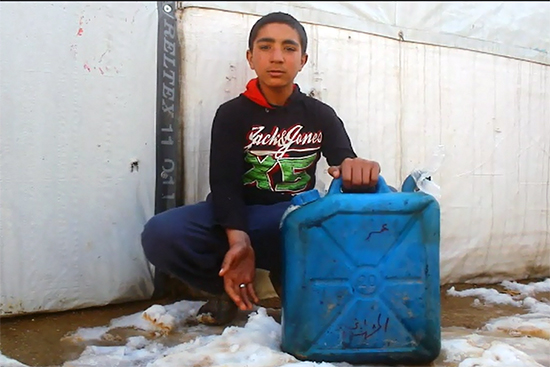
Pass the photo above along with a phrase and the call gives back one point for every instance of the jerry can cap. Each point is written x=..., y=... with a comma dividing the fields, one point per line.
x=305, y=197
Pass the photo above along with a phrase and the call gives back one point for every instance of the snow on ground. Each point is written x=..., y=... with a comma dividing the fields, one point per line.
x=7, y=362
x=169, y=340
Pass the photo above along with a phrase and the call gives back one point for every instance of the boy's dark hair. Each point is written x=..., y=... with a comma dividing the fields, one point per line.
x=278, y=17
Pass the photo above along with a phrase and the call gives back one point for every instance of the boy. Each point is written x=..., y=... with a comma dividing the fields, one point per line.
x=265, y=145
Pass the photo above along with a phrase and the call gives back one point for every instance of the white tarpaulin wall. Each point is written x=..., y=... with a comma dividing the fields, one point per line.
x=518, y=29
x=400, y=100
x=77, y=128
x=77, y=107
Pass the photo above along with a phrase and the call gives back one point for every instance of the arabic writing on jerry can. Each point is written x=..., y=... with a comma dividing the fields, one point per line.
x=361, y=276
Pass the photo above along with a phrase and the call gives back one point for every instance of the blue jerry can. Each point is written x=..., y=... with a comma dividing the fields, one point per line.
x=361, y=276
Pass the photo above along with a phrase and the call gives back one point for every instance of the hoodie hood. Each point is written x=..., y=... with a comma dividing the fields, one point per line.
x=254, y=93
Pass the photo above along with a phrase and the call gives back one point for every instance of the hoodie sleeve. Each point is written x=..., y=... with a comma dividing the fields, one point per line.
x=336, y=144
x=226, y=169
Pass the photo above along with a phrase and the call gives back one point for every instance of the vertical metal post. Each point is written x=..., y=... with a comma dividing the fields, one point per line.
x=168, y=185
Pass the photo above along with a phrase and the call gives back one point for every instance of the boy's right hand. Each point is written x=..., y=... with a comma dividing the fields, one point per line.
x=239, y=267
x=358, y=174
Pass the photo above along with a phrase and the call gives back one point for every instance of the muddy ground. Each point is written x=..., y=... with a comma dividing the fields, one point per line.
x=36, y=340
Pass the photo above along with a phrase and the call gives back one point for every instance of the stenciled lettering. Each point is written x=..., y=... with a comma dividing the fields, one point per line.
x=168, y=168
x=168, y=104
x=169, y=28
x=170, y=75
x=169, y=65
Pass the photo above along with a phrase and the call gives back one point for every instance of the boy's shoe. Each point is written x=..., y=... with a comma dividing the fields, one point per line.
x=217, y=311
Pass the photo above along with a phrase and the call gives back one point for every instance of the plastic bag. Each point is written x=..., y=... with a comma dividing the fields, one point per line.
x=423, y=176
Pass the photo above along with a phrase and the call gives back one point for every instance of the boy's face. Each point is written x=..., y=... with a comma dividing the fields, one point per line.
x=276, y=56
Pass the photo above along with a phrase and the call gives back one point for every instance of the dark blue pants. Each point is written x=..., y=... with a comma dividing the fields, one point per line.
x=186, y=243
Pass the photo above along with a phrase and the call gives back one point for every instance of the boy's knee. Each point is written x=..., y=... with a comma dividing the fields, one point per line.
x=153, y=237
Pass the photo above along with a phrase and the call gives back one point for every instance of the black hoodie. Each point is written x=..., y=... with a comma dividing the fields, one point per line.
x=265, y=154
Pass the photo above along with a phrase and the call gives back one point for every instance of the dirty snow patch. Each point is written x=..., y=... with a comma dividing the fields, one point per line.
x=8, y=362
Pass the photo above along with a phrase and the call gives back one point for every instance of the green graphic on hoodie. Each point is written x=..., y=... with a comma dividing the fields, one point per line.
x=293, y=171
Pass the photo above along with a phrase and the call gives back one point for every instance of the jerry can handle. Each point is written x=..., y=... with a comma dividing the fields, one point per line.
x=409, y=184
x=336, y=186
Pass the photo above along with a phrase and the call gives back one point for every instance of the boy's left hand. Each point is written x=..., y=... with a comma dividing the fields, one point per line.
x=357, y=174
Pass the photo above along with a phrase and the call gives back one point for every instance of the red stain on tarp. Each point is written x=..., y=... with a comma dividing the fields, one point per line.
x=80, y=31
x=87, y=67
